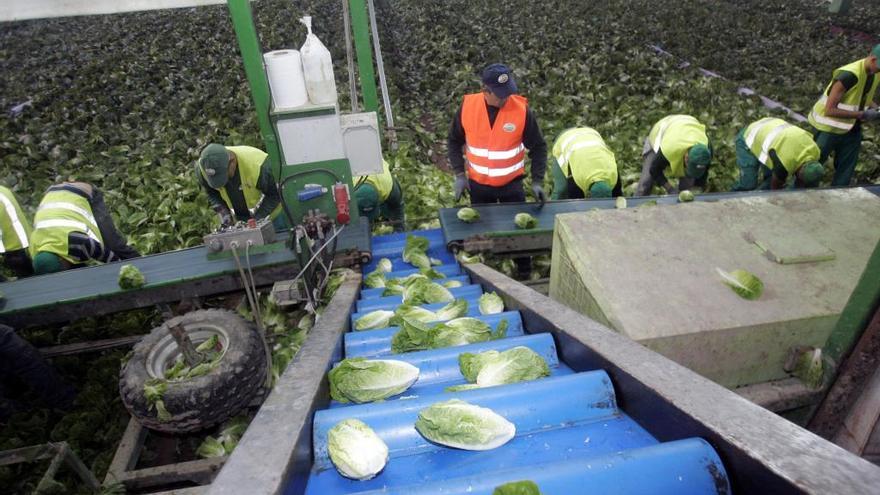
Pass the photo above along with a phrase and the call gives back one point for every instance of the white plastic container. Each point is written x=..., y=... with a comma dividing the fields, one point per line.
x=318, y=68
x=286, y=80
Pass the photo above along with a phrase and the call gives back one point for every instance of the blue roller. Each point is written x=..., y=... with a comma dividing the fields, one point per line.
x=532, y=406
x=376, y=293
x=390, y=302
x=683, y=467
x=439, y=368
x=378, y=342
x=450, y=270
x=391, y=247
x=473, y=308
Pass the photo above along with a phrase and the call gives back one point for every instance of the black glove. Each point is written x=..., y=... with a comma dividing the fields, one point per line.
x=461, y=185
x=538, y=191
x=870, y=115
x=225, y=217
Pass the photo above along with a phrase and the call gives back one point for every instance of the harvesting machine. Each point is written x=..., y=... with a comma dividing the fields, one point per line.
x=614, y=416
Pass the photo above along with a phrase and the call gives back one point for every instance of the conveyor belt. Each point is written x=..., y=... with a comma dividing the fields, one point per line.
x=496, y=220
x=571, y=435
x=184, y=273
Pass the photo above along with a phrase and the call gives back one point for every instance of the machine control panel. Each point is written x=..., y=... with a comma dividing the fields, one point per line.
x=237, y=236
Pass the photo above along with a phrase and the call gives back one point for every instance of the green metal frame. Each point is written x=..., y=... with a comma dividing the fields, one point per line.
x=363, y=47
x=859, y=309
x=252, y=56
x=840, y=6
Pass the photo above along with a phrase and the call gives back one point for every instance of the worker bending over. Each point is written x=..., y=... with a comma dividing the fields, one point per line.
x=493, y=129
x=583, y=165
x=239, y=183
x=677, y=143
x=779, y=151
x=848, y=100
x=15, y=232
x=72, y=227
x=380, y=195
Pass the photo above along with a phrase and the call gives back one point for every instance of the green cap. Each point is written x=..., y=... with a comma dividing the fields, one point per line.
x=876, y=51
x=367, y=201
x=45, y=262
x=699, y=157
x=812, y=173
x=214, y=163
x=600, y=189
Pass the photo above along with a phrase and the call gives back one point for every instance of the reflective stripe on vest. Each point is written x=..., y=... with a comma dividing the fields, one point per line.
x=851, y=100
x=495, y=153
x=777, y=127
x=16, y=224
x=71, y=224
x=69, y=207
x=496, y=172
x=680, y=133
x=60, y=213
x=564, y=150
x=584, y=157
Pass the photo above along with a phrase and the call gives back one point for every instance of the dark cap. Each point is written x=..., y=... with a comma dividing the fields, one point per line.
x=499, y=79
x=214, y=163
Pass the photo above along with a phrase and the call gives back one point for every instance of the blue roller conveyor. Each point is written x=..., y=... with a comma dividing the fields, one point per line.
x=571, y=436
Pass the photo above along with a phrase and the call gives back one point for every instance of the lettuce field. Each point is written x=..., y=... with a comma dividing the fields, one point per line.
x=125, y=101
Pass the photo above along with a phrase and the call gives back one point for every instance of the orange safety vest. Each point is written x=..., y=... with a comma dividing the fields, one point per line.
x=495, y=154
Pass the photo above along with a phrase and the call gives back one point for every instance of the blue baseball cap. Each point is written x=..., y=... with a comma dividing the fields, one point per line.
x=499, y=79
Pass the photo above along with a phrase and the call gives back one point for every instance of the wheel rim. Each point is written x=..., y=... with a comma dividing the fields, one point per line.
x=165, y=352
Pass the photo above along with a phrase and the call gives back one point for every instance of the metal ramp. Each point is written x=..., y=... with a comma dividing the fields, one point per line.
x=571, y=435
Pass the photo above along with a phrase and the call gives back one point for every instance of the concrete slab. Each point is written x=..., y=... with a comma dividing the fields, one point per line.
x=649, y=273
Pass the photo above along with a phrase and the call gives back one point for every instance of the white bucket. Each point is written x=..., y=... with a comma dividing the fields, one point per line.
x=286, y=81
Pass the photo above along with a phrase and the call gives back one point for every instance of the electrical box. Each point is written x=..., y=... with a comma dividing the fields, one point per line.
x=309, y=134
x=362, y=143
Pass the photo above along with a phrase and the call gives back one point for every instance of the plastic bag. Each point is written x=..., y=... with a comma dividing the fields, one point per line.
x=318, y=68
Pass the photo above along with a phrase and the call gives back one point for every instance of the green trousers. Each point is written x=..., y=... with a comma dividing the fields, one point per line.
x=846, y=152
x=750, y=169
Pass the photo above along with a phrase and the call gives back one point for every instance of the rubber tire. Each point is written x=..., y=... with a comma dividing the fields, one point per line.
x=206, y=400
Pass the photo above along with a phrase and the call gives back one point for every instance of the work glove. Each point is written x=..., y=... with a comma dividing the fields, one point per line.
x=461, y=185
x=870, y=115
x=225, y=217
x=538, y=191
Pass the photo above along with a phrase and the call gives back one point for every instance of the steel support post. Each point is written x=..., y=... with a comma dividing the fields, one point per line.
x=361, y=28
x=252, y=56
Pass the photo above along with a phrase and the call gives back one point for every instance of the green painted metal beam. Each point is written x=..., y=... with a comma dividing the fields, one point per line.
x=252, y=56
x=363, y=47
x=862, y=305
x=840, y=6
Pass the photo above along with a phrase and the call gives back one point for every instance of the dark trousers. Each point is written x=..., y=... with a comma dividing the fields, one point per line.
x=846, y=149
x=19, y=360
x=19, y=262
x=113, y=239
x=512, y=192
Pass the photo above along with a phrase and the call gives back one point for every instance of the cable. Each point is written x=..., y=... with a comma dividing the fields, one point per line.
x=255, y=309
x=326, y=243
x=247, y=259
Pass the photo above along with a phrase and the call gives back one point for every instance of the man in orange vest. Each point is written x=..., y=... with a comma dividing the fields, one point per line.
x=492, y=129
